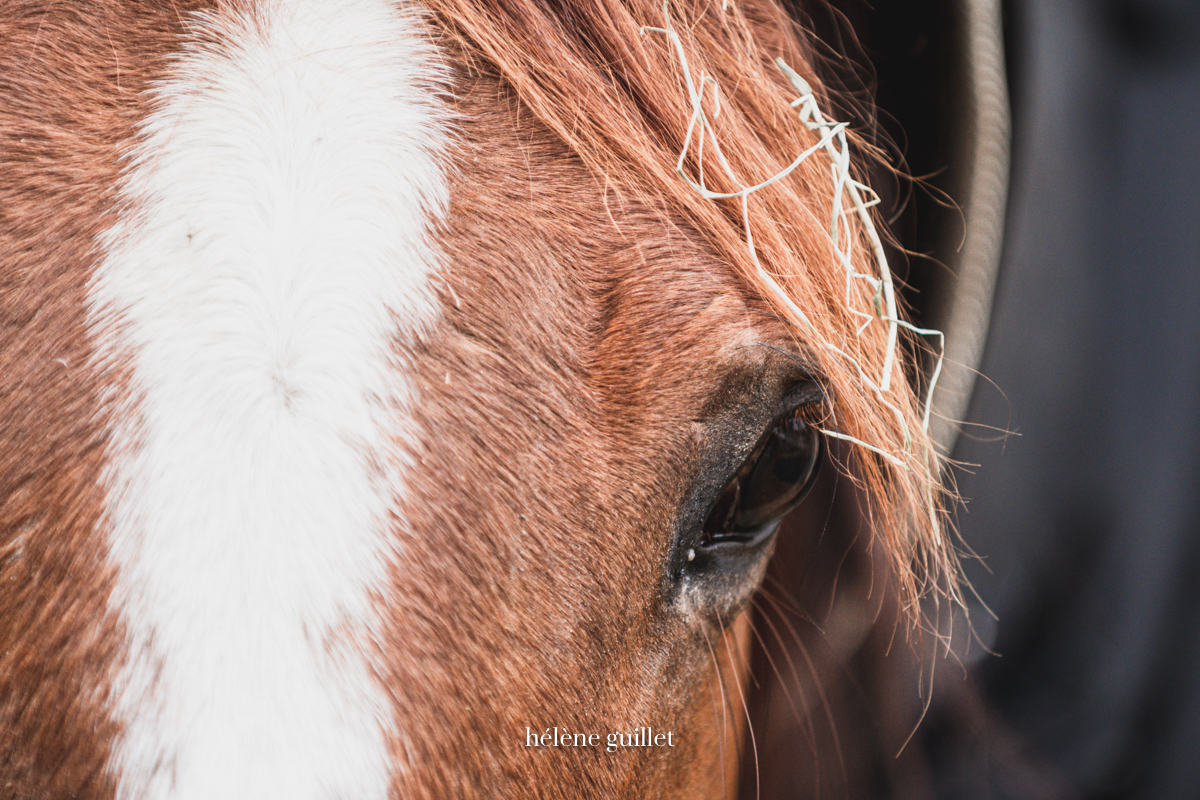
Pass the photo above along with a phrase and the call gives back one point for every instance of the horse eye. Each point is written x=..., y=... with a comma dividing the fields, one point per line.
x=773, y=481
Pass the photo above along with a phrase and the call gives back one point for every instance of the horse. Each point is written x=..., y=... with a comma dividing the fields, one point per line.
x=402, y=400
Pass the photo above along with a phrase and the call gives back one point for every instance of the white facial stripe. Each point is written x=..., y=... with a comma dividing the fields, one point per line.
x=272, y=261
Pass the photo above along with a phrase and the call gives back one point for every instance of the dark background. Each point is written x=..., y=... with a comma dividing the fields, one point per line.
x=1088, y=518
x=1085, y=504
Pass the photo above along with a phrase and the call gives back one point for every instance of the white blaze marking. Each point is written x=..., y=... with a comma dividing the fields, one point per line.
x=273, y=253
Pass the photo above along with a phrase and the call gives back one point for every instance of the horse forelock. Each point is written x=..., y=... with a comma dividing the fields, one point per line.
x=614, y=92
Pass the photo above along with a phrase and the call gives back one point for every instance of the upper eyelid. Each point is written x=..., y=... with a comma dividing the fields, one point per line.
x=806, y=393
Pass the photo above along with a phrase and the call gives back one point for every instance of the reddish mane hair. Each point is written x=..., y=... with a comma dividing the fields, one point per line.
x=594, y=78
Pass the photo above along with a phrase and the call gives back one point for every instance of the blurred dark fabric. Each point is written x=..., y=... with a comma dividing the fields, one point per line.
x=1088, y=515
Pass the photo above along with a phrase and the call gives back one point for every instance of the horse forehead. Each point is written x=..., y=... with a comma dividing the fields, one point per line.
x=236, y=496
x=267, y=272
x=538, y=244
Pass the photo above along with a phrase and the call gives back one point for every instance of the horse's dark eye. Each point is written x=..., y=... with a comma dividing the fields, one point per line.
x=771, y=483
